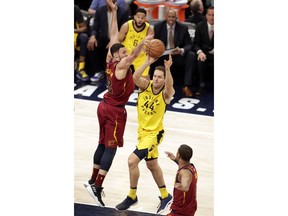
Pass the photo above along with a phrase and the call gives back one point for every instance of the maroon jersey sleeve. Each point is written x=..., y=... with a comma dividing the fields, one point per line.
x=119, y=91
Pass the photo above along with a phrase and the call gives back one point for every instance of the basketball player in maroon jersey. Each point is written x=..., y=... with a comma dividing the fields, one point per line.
x=185, y=187
x=111, y=110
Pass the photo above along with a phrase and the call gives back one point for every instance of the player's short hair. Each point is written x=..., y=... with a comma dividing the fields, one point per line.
x=115, y=48
x=161, y=68
x=185, y=152
x=141, y=10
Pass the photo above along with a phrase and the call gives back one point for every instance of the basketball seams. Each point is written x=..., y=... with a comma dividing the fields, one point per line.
x=155, y=48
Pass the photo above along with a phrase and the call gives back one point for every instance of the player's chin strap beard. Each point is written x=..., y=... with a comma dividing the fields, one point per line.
x=139, y=28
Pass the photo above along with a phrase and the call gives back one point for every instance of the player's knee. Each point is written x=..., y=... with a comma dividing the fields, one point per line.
x=152, y=165
x=107, y=158
x=133, y=161
x=149, y=166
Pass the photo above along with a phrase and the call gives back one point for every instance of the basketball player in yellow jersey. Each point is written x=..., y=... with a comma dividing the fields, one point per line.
x=151, y=106
x=132, y=33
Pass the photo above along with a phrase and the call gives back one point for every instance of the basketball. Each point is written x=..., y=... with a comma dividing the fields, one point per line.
x=155, y=48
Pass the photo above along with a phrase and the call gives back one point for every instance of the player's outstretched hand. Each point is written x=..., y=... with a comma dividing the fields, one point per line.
x=170, y=155
x=168, y=62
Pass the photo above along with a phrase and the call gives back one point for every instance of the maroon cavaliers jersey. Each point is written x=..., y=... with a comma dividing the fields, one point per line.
x=185, y=203
x=119, y=91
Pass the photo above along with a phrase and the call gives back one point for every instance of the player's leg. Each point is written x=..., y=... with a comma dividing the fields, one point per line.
x=134, y=173
x=157, y=173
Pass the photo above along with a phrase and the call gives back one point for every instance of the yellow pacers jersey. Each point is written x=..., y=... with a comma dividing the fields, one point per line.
x=151, y=109
x=132, y=39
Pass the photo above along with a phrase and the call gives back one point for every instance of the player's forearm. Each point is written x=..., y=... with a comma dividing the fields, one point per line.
x=114, y=28
x=138, y=72
x=169, y=79
x=114, y=25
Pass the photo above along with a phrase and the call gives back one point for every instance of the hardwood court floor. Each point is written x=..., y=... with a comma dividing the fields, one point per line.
x=181, y=128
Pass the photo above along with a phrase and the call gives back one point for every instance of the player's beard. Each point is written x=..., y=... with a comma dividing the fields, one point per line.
x=139, y=26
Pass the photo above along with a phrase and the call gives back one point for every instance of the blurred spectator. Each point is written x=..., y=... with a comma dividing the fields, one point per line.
x=99, y=39
x=188, y=10
x=132, y=33
x=83, y=4
x=95, y=4
x=80, y=42
x=182, y=45
x=206, y=4
x=209, y=3
x=197, y=9
x=204, y=47
x=131, y=8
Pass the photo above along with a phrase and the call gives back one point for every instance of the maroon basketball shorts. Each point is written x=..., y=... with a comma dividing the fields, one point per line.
x=112, y=122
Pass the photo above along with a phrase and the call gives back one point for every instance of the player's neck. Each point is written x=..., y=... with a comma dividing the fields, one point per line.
x=182, y=163
x=156, y=90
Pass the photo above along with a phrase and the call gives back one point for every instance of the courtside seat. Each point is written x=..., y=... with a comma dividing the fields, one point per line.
x=191, y=29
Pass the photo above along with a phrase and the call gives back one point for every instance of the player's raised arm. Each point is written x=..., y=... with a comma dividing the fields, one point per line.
x=141, y=82
x=169, y=89
x=114, y=29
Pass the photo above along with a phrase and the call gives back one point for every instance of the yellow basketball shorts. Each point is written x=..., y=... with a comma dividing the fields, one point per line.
x=150, y=140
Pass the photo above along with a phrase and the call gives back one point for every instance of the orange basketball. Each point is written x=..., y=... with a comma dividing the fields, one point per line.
x=155, y=48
